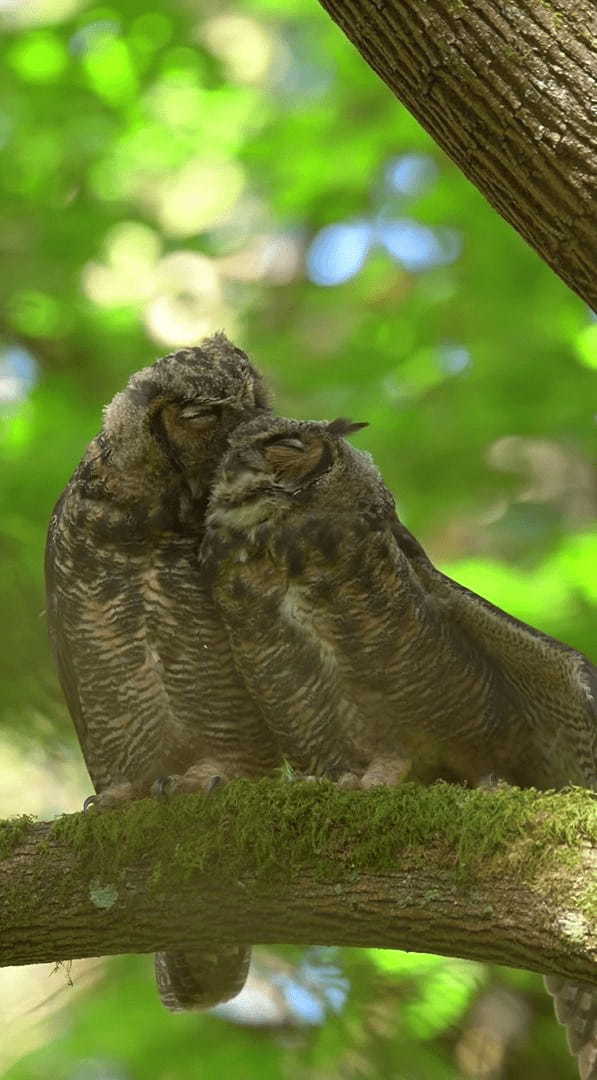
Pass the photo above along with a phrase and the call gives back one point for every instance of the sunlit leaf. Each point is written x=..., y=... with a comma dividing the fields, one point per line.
x=586, y=345
x=39, y=56
x=110, y=70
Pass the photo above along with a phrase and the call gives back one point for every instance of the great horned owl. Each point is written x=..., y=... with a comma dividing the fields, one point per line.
x=143, y=658
x=366, y=660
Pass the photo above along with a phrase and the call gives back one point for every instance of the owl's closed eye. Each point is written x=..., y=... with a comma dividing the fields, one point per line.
x=292, y=458
x=299, y=457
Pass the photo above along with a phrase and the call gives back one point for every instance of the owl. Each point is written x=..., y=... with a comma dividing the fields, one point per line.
x=369, y=664
x=142, y=654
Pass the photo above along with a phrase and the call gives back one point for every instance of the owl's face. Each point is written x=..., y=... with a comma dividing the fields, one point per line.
x=176, y=416
x=276, y=466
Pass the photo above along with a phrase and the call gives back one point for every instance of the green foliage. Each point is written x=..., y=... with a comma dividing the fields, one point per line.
x=166, y=173
x=137, y=138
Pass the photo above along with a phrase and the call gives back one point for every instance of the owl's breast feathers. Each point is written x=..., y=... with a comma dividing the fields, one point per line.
x=143, y=658
x=142, y=654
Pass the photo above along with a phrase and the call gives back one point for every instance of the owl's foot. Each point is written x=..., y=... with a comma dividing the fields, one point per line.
x=165, y=786
x=382, y=772
x=205, y=777
x=350, y=781
x=111, y=797
x=386, y=772
x=490, y=782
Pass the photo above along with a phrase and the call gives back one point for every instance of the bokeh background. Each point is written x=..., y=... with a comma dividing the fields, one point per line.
x=185, y=167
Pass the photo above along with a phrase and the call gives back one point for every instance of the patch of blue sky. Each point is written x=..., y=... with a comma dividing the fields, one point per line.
x=339, y=251
x=418, y=247
x=454, y=358
x=410, y=174
x=18, y=373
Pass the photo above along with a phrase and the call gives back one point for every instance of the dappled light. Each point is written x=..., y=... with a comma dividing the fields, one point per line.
x=245, y=46
x=339, y=251
x=173, y=172
x=128, y=274
x=586, y=345
x=188, y=301
x=199, y=197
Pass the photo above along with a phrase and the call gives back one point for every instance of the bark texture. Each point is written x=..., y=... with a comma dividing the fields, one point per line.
x=509, y=90
x=506, y=877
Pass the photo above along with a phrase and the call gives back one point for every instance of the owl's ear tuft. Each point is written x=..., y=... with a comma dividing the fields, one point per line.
x=342, y=426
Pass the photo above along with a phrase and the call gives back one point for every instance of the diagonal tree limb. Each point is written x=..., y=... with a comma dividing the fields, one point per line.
x=509, y=90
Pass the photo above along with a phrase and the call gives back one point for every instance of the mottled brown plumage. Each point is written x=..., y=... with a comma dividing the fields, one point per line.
x=143, y=658
x=370, y=663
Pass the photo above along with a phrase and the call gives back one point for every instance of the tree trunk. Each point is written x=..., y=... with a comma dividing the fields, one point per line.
x=508, y=89
x=505, y=876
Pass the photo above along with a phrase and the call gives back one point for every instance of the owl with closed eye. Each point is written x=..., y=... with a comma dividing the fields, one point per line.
x=369, y=664
x=329, y=623
x=142, y=654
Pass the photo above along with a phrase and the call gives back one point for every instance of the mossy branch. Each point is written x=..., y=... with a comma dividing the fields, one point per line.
x=505, y=875
x=507, y=90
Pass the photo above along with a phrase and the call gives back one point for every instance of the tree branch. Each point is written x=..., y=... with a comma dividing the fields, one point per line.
x=505, y=876
x=508, y=91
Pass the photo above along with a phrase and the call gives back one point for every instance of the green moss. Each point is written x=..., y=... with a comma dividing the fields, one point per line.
x=271, y=829
x=12, y=832
x=275, y=830
x=587, y=903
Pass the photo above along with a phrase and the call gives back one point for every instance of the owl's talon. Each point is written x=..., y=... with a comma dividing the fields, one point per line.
x=349, y=781
x=165, y=786
x=162, y=787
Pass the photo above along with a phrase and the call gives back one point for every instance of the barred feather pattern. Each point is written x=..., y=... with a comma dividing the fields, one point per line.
x=576, y=1009
x=369, y=662
x=553, y=691
x=198, y=979
x=143, y=656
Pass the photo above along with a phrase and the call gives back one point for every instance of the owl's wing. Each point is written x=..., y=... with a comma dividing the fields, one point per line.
x=410, y=546
x=533, y=659
x=576, y=1008
x=540, y=665
x=544, y=676
x=110, y=673
x=498, y=631
x=61, y=650
x=509, y=639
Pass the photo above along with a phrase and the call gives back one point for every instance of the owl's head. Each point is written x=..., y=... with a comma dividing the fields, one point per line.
x=177, y=414
x=275, y=467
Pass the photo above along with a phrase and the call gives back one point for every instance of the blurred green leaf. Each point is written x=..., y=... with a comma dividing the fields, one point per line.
x=586, y=345
x=39, y=56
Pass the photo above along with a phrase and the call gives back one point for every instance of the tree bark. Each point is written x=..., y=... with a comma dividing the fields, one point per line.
x=508, y=90
x=506, y=876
